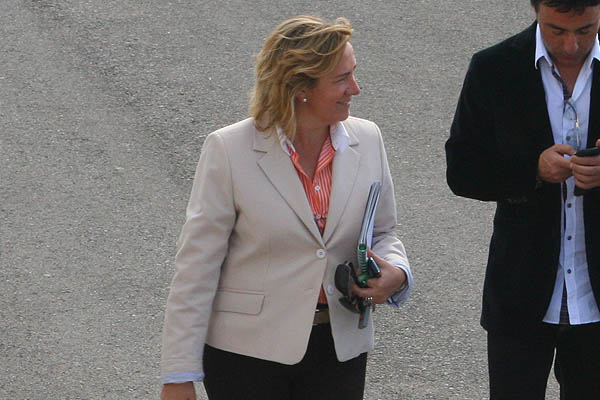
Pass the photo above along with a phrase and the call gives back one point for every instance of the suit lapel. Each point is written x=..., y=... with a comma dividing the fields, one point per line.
x=280, y=171
x=594, y=122
x=530, y=94
x=344, y=174
x=539, y=123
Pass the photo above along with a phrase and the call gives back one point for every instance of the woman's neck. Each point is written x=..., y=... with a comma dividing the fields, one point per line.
x=308, y=145
x=310, y=137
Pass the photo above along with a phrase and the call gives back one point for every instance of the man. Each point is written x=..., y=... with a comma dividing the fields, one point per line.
x=527, y=105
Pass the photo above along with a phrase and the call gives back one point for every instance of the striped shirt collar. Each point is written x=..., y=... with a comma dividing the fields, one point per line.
x=339, y=138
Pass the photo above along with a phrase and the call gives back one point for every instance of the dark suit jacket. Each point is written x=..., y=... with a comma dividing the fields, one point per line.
x=500, y=128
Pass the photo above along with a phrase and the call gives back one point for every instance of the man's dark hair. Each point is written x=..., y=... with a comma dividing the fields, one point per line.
x=564, y=6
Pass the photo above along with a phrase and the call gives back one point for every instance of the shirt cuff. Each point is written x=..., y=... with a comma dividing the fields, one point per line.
x=400, y=297
x=182, y=377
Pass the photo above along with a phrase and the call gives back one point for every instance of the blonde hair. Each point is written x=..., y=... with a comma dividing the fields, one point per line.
x=295, y=55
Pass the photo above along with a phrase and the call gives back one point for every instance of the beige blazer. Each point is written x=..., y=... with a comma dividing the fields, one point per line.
x=250, y=258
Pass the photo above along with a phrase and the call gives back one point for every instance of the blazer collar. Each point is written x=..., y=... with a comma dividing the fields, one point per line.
x=280, y=171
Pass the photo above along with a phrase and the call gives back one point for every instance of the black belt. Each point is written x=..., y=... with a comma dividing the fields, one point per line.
x=321, y=316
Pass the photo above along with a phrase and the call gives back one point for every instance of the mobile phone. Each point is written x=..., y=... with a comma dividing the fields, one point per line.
x=592, y=151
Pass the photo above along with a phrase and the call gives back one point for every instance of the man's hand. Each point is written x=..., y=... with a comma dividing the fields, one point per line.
x=586, y=170
x=380, y=289
x=553, y=167
x=178, y=391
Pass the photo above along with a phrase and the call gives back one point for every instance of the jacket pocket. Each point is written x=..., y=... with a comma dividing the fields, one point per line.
x=228, y=300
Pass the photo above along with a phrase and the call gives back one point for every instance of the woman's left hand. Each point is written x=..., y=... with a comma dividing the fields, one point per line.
x=380, y=289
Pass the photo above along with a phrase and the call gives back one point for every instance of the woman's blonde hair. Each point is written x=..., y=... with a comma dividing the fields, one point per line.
x=295, y=55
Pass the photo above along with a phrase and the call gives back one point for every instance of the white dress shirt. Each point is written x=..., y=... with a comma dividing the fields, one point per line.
x=572, y=266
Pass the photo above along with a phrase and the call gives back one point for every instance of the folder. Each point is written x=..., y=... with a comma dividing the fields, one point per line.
x=365, y=237
x=367, y=266
x=345, y=273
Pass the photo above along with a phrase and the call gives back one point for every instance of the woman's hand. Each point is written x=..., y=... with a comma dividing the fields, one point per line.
x=380, y=289
x=178, y=391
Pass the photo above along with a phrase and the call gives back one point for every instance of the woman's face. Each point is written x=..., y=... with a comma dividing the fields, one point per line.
x=328, y=102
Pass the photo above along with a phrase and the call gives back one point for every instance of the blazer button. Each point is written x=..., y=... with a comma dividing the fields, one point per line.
x=330, y=290
x=321, y=253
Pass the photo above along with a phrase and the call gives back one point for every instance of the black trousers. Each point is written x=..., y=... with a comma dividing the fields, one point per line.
x=519, y=366
x=319, y=376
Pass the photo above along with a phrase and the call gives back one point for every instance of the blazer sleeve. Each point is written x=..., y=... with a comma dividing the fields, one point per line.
x=202, y=247
x=476, y=166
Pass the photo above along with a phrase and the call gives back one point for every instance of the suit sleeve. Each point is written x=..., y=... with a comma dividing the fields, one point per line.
x=202, y=247
x=476, y=165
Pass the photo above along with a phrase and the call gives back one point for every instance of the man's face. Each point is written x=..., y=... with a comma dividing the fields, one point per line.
x=568, y=36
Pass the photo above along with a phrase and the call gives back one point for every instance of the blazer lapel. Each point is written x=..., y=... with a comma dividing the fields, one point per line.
x=344, y=174
x=280, y=171
x=594, y=123
x=539, y=123
x=530, y=94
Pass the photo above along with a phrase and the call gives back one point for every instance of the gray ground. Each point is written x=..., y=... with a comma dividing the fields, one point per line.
x=103, y=109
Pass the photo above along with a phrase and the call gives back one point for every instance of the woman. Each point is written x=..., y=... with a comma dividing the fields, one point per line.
x=276, y=205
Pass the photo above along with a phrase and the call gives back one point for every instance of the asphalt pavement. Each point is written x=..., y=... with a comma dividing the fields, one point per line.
x=104, y=106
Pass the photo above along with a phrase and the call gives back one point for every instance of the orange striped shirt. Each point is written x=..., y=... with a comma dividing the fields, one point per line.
x=318, y=189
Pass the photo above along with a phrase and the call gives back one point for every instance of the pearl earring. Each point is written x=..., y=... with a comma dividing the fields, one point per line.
x=305, y=100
